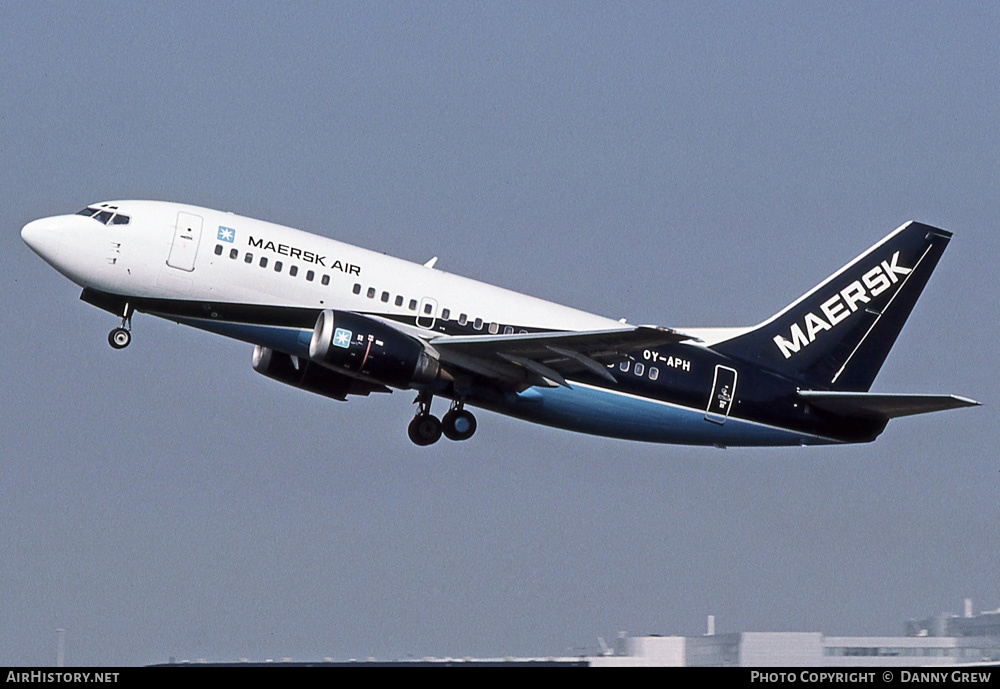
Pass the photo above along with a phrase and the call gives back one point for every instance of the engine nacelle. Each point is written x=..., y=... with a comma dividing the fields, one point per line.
x=371, y=350
x=309, y=376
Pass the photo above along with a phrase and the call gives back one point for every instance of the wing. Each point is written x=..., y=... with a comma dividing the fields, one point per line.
x=547, y=358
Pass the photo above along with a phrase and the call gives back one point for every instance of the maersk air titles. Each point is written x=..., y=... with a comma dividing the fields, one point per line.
x=841, y=305
x=338, y=320
x=305, y=256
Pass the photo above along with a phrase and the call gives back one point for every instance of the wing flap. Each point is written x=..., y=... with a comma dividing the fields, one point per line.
x=882, y=406
x=545, y=372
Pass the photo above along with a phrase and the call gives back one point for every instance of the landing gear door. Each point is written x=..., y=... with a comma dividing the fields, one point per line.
x=723, y=396
x=187, y=236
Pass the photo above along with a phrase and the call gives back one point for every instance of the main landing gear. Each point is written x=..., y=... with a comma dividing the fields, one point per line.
x=426, y=429
x=120, y=337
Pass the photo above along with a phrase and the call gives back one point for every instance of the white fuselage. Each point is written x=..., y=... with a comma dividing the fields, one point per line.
x=132, y=259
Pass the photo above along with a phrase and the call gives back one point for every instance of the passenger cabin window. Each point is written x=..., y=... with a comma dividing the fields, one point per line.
x=293, y=271
x=310, y=275
x=428, y=308
x=326, y=281
x=357, y=286
x=412, y=305
x=494, y=328
x=445, y=313
x=508, y=330
x=371, y=292
x=654, y=373
x=385, y=297
x=639, y=368
x=399, y=300
x=478, y=324
x=218, y=249
x=277, y=266
x=233, y=253
x=263, y=262
x=462, y=319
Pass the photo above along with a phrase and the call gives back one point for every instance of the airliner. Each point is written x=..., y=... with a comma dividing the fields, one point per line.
x=338, y=320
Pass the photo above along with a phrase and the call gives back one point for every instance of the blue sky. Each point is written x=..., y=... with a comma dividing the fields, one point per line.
x=683, y=164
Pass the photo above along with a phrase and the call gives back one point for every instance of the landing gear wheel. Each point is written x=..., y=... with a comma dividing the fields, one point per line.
x=119, y=338
x=458, y=424
x=425, y=429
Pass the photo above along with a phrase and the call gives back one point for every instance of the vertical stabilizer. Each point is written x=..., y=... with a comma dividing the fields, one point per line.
x=837, y=335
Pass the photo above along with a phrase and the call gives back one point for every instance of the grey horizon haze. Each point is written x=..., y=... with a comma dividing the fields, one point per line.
x=678, y=164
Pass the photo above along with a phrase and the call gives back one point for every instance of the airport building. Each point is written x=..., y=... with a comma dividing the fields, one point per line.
x=799, y=649
x=944, y=640
x=937, y=641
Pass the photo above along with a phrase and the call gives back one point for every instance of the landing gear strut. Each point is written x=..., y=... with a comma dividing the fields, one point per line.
x=120, y=337
x=426, y=429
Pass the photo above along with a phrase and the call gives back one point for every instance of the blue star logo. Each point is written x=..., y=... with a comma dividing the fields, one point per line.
x=342, y=338
x=227, y=234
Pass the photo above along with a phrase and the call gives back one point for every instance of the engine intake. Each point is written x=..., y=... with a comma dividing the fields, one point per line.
x=368, y=349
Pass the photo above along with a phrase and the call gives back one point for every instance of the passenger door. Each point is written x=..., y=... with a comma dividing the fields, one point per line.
x=723, y=396
x=187, y=236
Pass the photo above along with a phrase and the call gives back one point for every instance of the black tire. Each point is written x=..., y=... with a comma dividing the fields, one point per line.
x=425, y=429
x=458, y=424
x=119, y=338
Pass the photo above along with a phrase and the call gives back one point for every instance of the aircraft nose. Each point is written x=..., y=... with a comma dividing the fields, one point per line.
x=31, y=233
x=40, y=235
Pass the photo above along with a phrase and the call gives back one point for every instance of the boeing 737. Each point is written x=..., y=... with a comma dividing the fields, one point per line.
x=338, y=320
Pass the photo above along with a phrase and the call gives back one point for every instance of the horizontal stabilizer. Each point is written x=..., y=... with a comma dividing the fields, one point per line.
x=882, y=406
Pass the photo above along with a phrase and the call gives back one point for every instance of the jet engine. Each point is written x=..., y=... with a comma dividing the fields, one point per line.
x=308, y=375
x=371, y=350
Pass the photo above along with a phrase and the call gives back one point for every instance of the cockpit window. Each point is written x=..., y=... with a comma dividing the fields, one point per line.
x=108, y=217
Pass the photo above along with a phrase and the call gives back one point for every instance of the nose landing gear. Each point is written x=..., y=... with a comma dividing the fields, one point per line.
x=120, y=337
x=426, y=429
